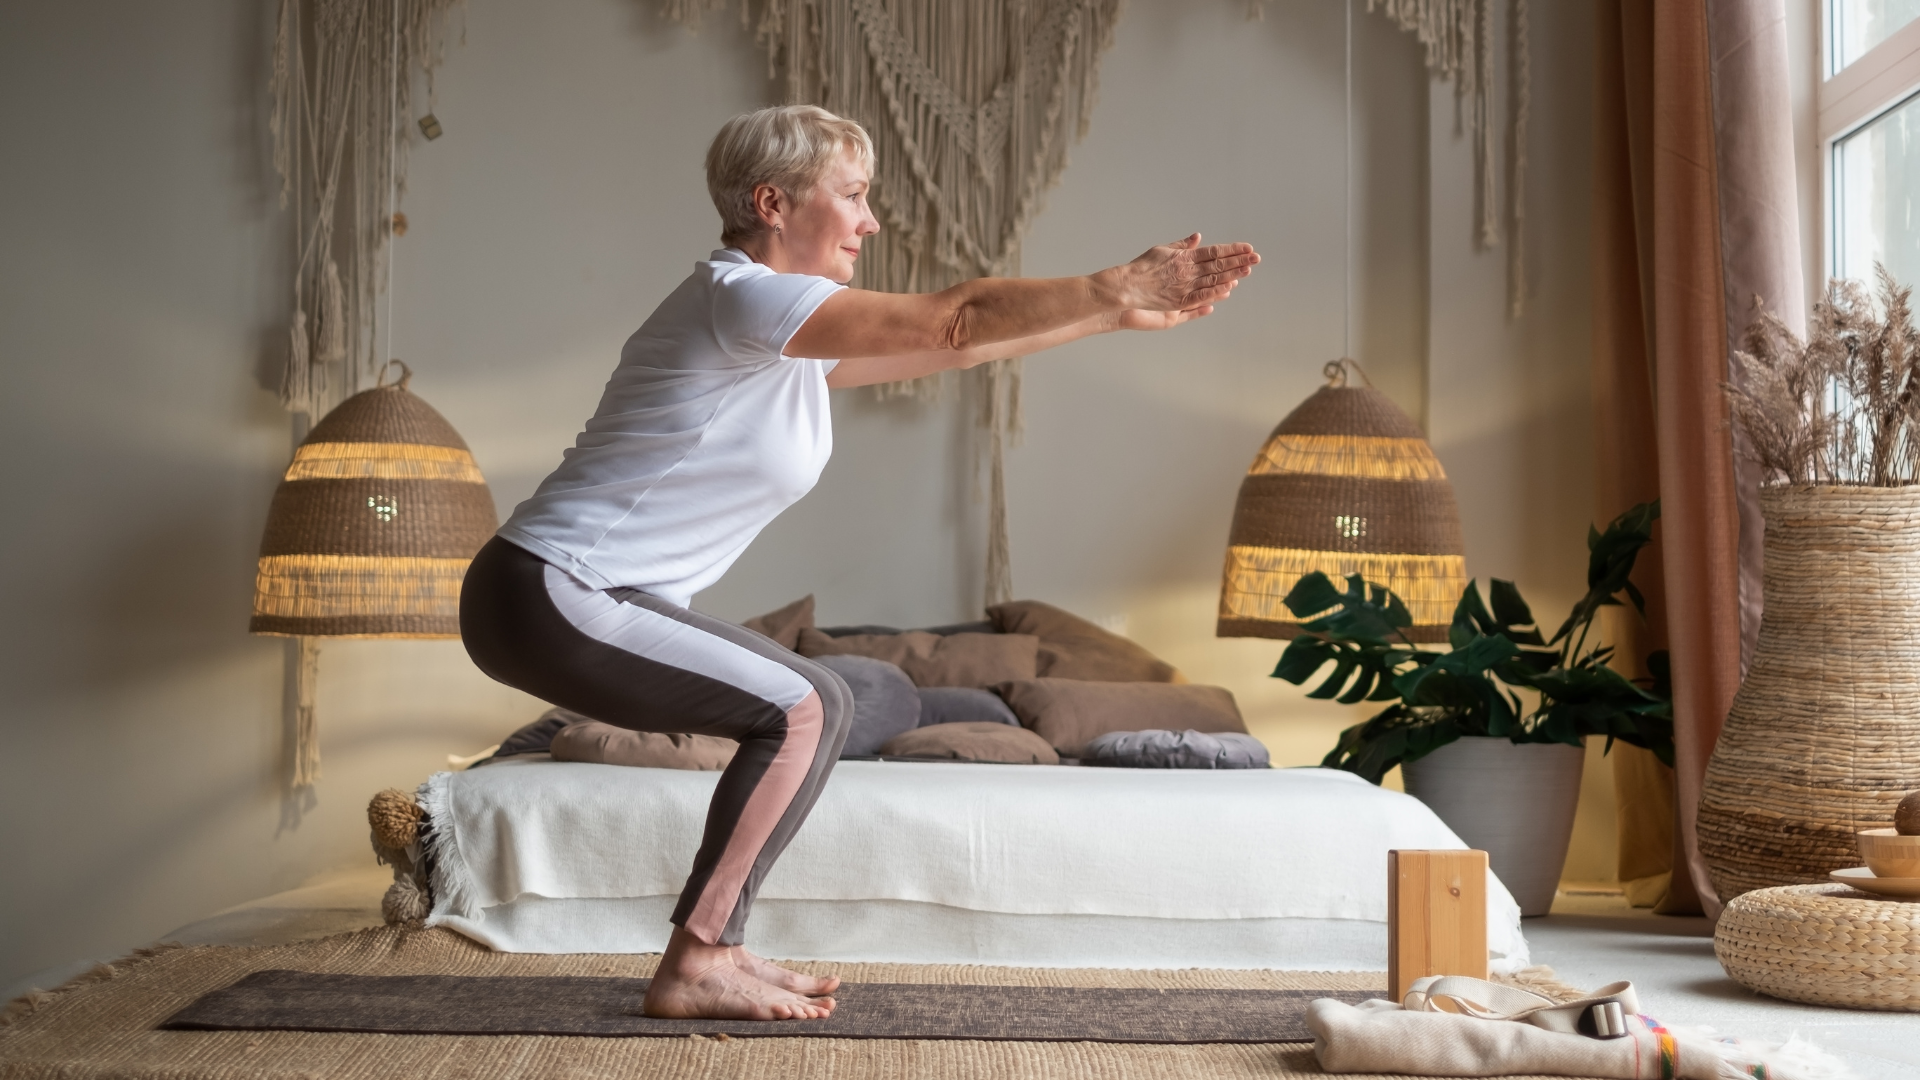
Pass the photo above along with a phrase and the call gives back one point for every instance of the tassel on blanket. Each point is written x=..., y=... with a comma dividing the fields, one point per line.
x=1467, y=1027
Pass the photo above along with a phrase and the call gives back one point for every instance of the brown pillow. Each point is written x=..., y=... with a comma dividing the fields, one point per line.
x=1070, y=713
x=1073, y=648
x=784, y=625
x=977, y=660
x=605, y=744
x=975, y=740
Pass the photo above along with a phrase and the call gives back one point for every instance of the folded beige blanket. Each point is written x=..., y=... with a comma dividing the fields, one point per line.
x=1382, y=1037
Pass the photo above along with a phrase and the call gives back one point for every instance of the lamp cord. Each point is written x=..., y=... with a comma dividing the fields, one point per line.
x=1346, y=326
x=394, y=134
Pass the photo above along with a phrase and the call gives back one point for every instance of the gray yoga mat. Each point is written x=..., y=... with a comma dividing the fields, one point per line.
x=575, y=1005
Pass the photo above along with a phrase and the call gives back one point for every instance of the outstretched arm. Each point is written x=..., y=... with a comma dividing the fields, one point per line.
x=1167, y=285
x=868, y=370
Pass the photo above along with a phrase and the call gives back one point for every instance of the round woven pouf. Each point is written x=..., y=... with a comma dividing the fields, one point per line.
x=1823, y=944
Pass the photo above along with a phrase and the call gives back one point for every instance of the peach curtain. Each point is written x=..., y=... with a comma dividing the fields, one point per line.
x=1694, y=215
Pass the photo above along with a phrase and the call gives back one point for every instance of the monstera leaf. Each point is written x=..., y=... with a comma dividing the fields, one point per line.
x=1610, y=559
x=1495, y=650
x=1398, y=734
x=1361, y=632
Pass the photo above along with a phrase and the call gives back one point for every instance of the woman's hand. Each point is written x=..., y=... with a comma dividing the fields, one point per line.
x=1139, y=319
x=1179, y=277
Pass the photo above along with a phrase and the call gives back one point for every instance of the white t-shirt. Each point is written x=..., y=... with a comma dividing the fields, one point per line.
x=704, y=435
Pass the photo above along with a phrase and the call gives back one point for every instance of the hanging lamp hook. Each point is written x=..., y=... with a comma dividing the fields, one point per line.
x=1337, y=372
x=406, y=375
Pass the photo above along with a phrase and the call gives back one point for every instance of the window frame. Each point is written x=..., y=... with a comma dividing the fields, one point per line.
x=1882, y=79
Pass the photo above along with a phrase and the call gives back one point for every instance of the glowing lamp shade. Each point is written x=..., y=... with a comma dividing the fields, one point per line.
x=371, y=529
x=1345, y=485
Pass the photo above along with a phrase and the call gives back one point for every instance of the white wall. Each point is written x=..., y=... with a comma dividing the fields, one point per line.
x=140, y=321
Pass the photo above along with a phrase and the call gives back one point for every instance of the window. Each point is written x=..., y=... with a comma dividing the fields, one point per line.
x=1870, y=129
x=1854, y=27
x=1876, y=178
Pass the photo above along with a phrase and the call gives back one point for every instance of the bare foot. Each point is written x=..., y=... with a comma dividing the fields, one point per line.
x=774, y=975
x=697, y=981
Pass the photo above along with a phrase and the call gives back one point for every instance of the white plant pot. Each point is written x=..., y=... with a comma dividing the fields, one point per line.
x=1514, y=801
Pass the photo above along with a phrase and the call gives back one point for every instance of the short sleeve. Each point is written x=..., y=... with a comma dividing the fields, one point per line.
x=755, y=314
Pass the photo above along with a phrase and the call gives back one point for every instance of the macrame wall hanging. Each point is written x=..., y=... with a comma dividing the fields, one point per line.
x=972, y=106
x=1458, y=36
x=342, y=106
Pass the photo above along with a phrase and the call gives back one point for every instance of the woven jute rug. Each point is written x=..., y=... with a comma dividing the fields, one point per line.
x=106, y=1024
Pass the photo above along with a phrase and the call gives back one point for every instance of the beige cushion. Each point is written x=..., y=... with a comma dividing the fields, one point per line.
x=605, y=744
x=784, y=625
x=1070, y=713
x=1073, y=648
x=976, y=740
x=977, y=660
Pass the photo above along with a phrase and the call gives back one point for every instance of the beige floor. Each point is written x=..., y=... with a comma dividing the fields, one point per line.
x=1592, y=938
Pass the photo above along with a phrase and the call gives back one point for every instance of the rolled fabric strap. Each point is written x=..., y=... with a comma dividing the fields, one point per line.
x=1600, y=1015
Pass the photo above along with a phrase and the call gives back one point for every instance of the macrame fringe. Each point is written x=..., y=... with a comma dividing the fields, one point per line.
x=1459, y=42
x=972, y=106
x=306, y=724
x=342, y=88
x=332, y=347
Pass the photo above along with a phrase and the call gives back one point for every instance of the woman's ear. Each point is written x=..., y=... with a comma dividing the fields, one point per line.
x=770, y=203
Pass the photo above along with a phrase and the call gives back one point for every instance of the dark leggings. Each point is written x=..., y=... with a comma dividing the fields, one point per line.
x=633, y=660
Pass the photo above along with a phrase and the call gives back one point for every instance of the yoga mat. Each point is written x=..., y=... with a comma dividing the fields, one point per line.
x=279, y=1000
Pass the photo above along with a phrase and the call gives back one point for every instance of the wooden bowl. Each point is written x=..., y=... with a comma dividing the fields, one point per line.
x=1888, y=854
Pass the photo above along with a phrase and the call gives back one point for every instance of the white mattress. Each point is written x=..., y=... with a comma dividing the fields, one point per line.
x=953, y=863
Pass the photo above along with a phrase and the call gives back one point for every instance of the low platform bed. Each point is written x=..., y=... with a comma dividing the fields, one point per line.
x=950, y=863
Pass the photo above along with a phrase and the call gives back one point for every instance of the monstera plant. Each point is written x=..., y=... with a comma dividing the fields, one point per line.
x=1499, y=678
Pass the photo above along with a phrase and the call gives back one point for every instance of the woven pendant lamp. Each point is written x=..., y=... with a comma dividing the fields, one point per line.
x=369, y=535
x=1345, y=485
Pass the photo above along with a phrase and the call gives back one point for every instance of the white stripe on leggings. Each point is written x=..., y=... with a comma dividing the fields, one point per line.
x=635, y=629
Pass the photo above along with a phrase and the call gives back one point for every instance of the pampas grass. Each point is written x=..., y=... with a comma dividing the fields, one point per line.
x=1842, y=407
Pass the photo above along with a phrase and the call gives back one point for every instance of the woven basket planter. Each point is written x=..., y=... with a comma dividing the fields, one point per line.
x=1823, y=944
x=1824, y=735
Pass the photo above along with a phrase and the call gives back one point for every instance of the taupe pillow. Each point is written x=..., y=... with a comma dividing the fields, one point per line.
x=605, y=744
x=978, y=660
x=784, y=625
x=1073, y=648
x=978, y=740
x=1070, y=713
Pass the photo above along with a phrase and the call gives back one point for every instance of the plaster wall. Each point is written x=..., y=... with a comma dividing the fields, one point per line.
x=141, y=324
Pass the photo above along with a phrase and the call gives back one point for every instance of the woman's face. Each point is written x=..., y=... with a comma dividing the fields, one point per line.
x=822, y=235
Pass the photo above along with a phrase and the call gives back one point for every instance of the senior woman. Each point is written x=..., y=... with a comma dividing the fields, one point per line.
x=716, y=420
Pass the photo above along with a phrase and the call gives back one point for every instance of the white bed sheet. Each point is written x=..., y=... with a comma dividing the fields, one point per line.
x=936, y=862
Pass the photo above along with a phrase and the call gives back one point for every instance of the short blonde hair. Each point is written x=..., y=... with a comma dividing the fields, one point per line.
x=788, y=146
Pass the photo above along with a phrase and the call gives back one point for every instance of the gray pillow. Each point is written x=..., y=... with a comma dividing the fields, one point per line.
x=1176, y=750
x=885, y=702
x=963, y=705
x=974, y=742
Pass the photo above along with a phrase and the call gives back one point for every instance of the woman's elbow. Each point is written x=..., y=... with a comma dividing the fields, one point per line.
x=954, y=330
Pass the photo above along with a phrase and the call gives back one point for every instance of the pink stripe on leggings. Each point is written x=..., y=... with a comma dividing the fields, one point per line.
x=769, y=801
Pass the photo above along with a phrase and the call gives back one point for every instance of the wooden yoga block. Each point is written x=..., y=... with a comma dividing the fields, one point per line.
x=1436, y=916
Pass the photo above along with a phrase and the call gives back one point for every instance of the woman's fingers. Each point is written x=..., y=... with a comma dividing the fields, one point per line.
x=1183, y=274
